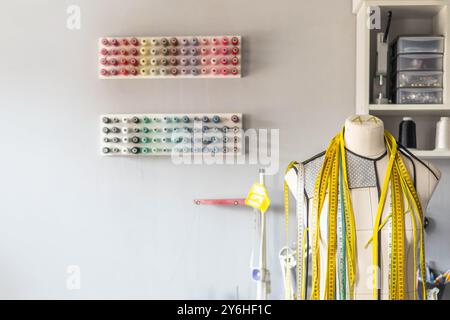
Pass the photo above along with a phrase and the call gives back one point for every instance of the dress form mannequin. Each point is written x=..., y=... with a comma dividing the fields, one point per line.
x=364, y=139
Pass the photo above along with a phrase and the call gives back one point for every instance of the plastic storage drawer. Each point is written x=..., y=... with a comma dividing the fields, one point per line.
x=424, y=44
x=431, y=62
x=419, y=79
x=419, y=96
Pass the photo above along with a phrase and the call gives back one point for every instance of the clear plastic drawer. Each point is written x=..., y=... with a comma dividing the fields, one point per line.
x=419, y=79
x=431, y=62
x=420, y=44
x=419, y=96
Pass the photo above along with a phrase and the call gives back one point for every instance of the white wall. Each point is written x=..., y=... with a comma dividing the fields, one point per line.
x=130, y=223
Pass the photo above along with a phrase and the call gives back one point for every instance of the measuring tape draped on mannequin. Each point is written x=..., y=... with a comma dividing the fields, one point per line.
x=332, y=180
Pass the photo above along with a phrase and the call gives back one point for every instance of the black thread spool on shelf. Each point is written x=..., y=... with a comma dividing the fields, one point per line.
x=407, y=133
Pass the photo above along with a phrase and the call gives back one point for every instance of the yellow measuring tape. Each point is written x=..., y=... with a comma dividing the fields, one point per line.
x=402, y=191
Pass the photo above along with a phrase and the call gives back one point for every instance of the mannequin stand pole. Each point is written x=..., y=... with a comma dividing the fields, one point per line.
x=263, y=286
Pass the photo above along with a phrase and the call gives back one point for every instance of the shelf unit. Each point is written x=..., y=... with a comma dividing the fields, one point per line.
x=409, y=17
x=431, y=154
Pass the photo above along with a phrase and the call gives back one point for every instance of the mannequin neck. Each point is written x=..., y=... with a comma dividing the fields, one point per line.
x=365, y=136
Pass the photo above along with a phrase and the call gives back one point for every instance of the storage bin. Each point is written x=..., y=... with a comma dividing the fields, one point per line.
x=431, y=62
x=419, y=96
x=420, y=44
x=419, y=79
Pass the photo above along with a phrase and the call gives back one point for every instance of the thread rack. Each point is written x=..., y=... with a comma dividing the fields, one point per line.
x=170, y=57
x=164, y=134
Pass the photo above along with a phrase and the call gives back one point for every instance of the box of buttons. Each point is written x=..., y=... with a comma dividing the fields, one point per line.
x=165, y=134
x=170, y=57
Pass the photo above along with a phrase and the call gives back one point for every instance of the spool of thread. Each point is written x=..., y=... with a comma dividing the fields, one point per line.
x=443, y=133
x=407, y=133
x=164, y=42
x=134, y=41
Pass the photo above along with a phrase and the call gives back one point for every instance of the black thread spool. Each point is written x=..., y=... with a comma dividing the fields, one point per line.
x=407, y=133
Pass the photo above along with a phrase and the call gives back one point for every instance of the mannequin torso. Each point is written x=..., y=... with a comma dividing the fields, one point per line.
x=364, y=140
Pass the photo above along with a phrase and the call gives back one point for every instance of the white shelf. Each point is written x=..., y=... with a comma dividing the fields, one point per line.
x=409, y=16
x=409, y=109
x=431, y=154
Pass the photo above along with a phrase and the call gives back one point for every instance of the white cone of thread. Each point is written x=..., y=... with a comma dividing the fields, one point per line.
x=443, y=134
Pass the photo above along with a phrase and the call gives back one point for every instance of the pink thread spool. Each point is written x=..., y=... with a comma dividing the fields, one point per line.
x=224, y=51
x=123, y=52
x=104, y=62
x=134, y=41
x=113, y=62
x=204, y=50
x=235, y=41
x=215, y=41
x=204, y=41
x=183, y=61
x=214, y=50
x=224, y=61
x=134, y=62
x=234, y=71
x=214, y=61
x=104, y=52
x=113, y=72
x=104, y=72
x=173, y=71
x=235, y=61
x=204, y=61
x=105, y=42
x=134, y=51
x=134, y=72
x=124, y=72
x=125, y=42
x=224, y=71
x=225, y=41
x=204, y=71
x=115, y=42
x=123, y=61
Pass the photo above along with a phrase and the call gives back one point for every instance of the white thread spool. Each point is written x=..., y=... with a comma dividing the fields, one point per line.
x=443, y=133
